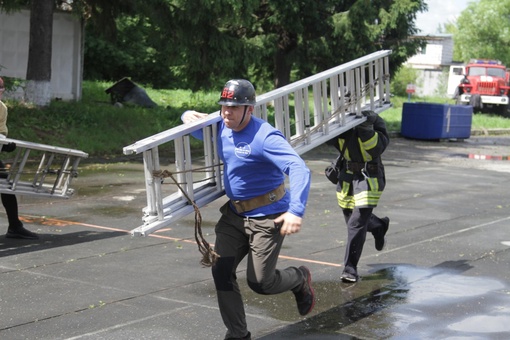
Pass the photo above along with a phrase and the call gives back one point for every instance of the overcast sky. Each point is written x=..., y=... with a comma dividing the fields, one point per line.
x=440, y=12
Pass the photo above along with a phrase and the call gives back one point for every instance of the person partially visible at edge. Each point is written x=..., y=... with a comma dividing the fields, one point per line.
x=361, y=181
x=260, y=211
x=9, y=201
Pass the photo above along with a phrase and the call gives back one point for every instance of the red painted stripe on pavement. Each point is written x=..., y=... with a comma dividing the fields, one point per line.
x=62, y=223
x=488, y=157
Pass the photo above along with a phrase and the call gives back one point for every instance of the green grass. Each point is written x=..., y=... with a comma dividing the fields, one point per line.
x=97, y=127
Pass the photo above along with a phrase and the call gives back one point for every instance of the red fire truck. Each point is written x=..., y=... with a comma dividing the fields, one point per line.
x=485, y=86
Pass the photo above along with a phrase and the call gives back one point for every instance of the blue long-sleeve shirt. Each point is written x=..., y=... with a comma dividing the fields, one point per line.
x=256, y=160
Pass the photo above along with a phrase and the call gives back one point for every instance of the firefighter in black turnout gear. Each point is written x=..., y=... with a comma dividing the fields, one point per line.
x=361, y=181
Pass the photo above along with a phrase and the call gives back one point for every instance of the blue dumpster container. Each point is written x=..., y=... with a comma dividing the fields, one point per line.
x=436, y=121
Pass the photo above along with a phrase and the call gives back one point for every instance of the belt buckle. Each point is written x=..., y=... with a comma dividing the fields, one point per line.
x=272, y=197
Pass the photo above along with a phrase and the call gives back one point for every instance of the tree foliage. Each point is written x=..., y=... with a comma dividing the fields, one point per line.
x=198, y=44
x=483, y=31
x=367, y=26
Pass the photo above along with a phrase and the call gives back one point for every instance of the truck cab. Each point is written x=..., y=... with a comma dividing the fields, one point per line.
x=485, y=84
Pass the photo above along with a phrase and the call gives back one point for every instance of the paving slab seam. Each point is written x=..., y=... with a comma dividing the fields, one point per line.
x=153, y=294
x=46, y=265
x=418, y=227
x=134, y=322
x=439, y=237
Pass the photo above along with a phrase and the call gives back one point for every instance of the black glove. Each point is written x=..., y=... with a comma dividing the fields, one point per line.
x=9, y=147
x=333, y=170
x=371, y=116
x=368, y=124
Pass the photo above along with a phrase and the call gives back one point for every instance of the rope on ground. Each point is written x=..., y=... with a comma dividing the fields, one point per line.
x=209, y=256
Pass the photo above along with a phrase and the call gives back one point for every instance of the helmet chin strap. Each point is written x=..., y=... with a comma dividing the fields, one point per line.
x=244, y=116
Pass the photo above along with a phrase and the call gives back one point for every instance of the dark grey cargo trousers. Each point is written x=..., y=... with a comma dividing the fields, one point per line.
x=260, y=239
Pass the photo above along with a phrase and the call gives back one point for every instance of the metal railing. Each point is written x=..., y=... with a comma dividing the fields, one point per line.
x=308, y=112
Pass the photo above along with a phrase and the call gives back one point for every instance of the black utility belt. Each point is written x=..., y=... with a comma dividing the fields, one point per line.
x=358, y=166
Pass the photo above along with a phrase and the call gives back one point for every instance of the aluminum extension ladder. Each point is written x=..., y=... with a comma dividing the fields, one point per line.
x=308, y=112
x=50, y=177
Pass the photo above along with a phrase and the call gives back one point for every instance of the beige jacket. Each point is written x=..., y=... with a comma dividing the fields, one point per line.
x=3, y=119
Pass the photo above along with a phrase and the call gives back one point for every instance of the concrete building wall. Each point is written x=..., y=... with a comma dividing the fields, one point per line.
x=431, y=63
x=431, y=83
x=66, y=65
x=432, y=56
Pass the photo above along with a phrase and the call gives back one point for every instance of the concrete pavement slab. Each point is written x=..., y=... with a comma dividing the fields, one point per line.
x=444, y=272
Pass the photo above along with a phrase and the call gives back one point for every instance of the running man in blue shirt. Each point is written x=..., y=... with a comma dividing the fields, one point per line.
x=260, y=212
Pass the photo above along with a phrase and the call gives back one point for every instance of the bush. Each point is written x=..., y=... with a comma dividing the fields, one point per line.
x=404, y=76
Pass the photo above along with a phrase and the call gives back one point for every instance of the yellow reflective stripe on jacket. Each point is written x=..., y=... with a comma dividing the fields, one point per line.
x=346, y=150
x=366, y=198
x=373, y=183
x=368, y=145
x=345, y=201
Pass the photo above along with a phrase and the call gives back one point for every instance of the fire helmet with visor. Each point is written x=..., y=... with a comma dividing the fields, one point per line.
x=237, y=92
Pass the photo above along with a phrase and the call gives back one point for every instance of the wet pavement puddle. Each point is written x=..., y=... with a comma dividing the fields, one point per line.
x=407, y=302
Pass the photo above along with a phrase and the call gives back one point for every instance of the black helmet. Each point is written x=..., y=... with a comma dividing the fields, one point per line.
x=237, y=92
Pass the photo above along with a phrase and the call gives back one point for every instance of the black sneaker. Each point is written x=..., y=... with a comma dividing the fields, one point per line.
x=246, y=337
x=305, y=297
x=21, y=232
x=349, y=278
x=380, y=241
